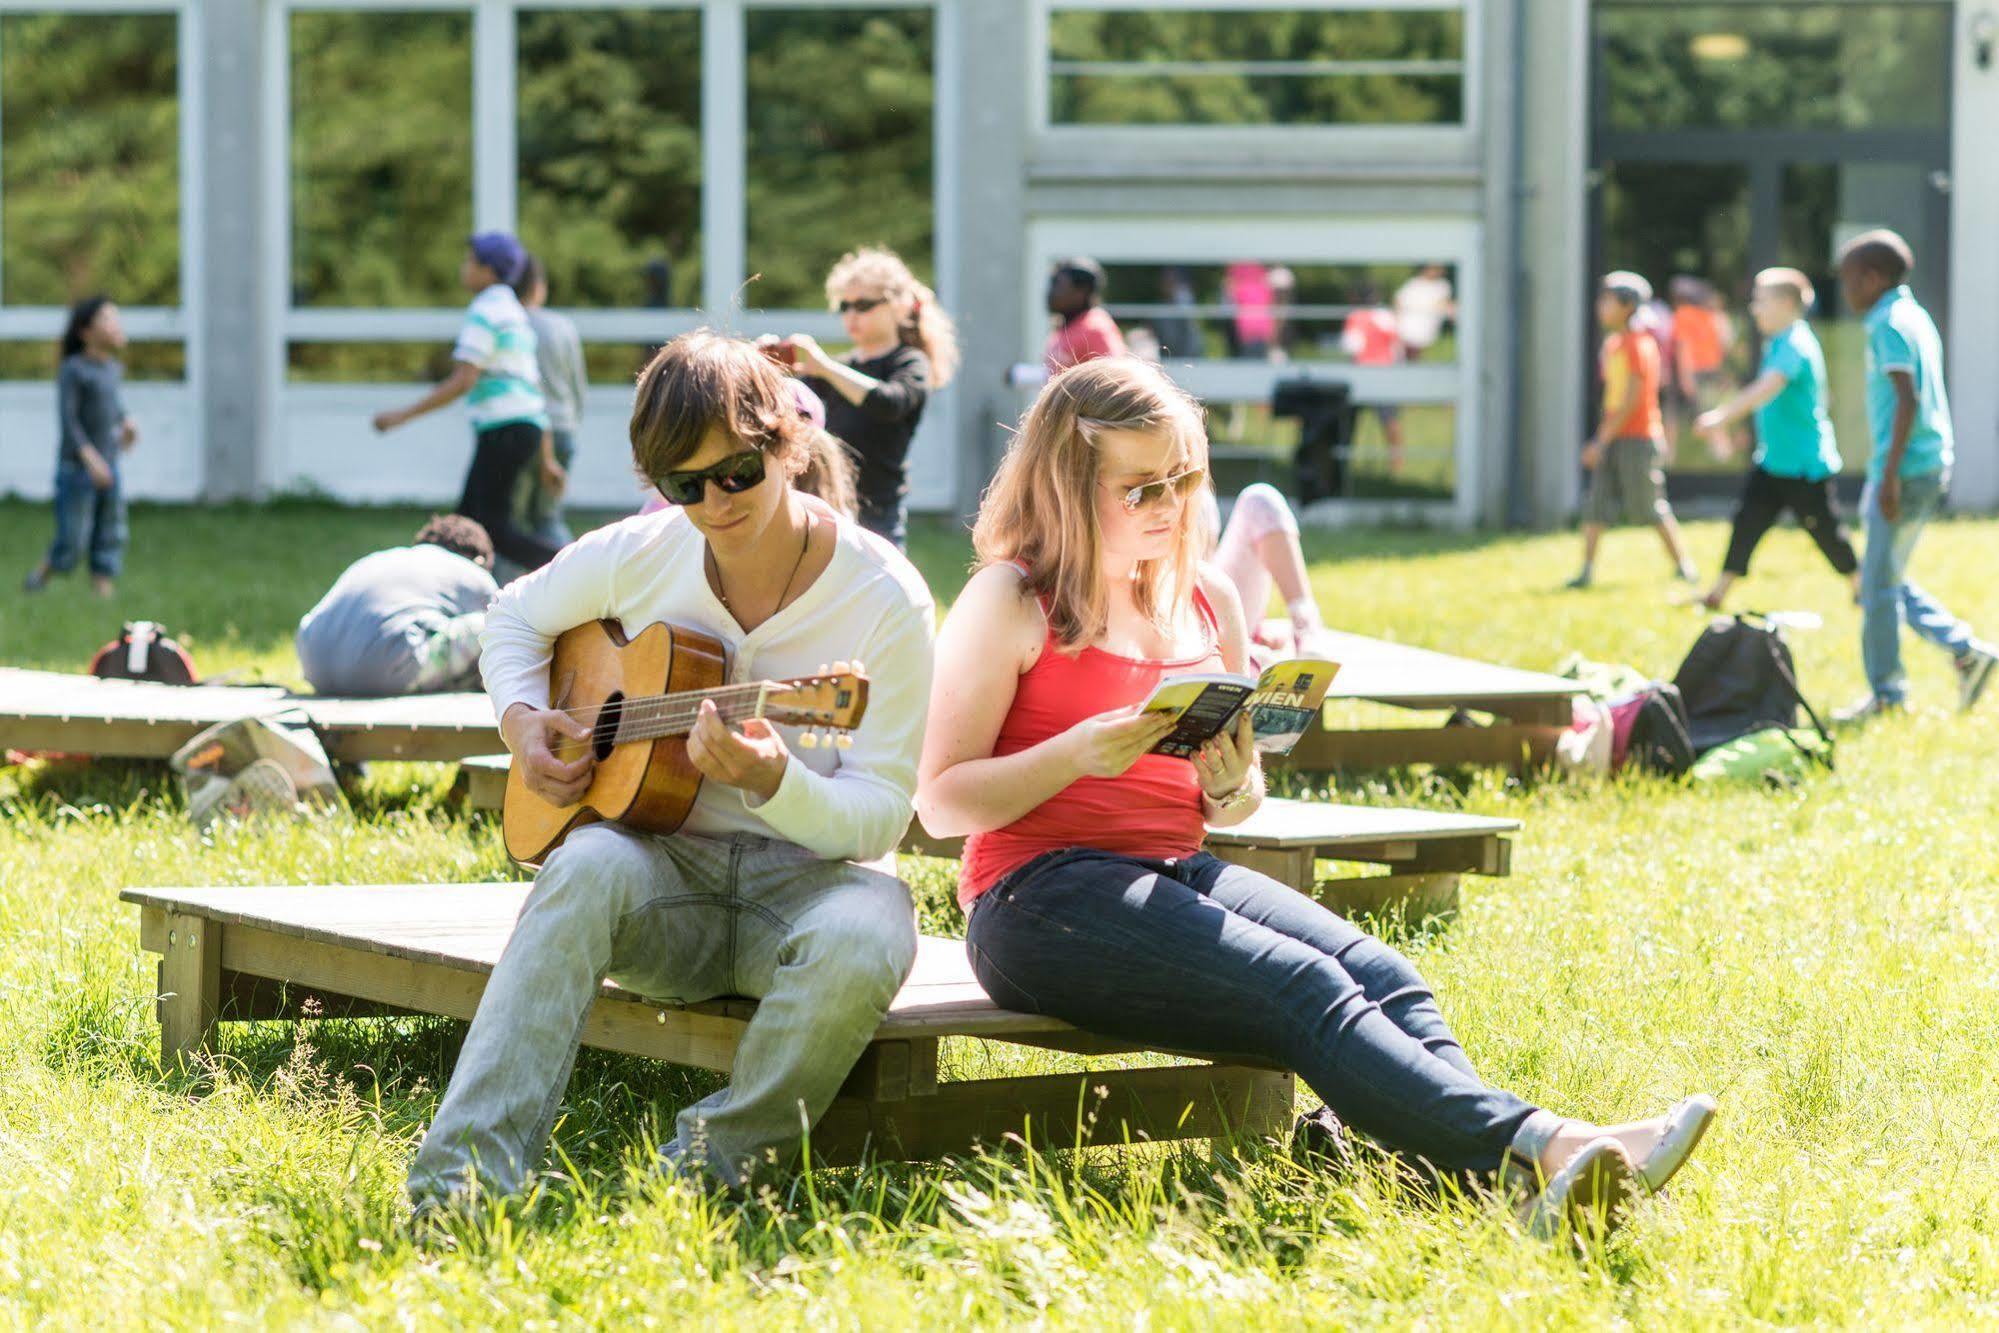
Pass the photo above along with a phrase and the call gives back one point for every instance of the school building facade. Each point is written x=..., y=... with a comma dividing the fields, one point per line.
x=277, y=192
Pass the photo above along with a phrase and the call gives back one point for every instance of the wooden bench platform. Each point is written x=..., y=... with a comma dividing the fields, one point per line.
x=64, y=711
x=1424, y=853
x=78, y=714
x=1529, y=710
x=231, y=954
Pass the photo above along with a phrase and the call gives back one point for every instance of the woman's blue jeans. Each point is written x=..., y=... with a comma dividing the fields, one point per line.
x=1206, y=958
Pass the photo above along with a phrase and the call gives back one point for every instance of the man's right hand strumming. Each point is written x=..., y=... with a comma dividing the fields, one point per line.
x=534, y=735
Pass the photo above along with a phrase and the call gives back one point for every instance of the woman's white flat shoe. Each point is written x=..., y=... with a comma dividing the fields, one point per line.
x=1586, y=1196
x=1685, y=1124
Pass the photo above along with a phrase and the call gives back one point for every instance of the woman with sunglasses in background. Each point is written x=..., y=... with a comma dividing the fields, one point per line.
x=1090, y=897
x=904, y=346
x=759, y=892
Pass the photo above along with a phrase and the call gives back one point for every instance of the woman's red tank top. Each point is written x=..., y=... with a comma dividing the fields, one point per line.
x=1153, y=810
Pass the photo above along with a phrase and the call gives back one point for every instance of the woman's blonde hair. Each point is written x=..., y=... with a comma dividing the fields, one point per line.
x=928, y=329
x=1041, y=508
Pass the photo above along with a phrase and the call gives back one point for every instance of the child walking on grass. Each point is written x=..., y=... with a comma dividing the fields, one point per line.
x=1908, y=474
x=1626, y=484
x=92, y=431
x=1797, y=455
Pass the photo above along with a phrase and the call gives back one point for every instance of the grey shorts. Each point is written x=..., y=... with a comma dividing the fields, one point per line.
x=1628, y=485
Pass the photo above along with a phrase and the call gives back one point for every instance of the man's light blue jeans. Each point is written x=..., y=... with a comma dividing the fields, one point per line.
x=1887, y=598
x=824, y=945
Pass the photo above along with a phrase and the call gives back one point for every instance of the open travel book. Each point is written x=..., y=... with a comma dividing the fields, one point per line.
x=1283, y=702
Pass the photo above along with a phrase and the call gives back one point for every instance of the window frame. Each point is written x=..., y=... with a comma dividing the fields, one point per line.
x=495, y=173
x=1293, y=240
x=43, y=323
x=1444, y=142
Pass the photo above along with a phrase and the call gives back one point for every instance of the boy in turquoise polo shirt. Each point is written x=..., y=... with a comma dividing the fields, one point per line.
x=1908, y=473
x=1796, y=456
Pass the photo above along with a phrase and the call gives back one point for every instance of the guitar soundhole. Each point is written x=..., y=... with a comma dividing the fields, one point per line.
x=605, y=734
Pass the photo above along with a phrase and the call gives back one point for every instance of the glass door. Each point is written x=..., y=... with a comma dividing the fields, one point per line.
x=1731, y=137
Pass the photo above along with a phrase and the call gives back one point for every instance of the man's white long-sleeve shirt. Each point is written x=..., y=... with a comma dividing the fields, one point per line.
x=869, y=606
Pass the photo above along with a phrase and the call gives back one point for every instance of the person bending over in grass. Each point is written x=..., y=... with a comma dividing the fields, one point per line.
x=1797, y=456
x=760, y=892
x=93, y=431
x=406, y=620
x=1089, y=895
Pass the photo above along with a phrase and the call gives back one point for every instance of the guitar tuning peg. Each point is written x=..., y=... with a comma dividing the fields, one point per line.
x=844, y=741
x=821, y=671
x=808, y=740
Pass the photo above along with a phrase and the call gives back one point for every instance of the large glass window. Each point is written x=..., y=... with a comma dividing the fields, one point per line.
x=1278, y=66
x=840, y=144
x=610, y=154
x=381, y=178
x=1369, y=314
x=1775, y=66
x=89, y=159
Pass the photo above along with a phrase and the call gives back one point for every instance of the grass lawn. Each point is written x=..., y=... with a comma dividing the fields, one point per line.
x=1825, y=961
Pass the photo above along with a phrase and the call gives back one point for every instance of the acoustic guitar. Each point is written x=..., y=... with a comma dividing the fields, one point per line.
x=639, y=697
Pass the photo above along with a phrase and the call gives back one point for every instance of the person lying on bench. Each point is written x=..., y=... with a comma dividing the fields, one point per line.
x=405, y=620
x=1089, y=895
x=758, y=894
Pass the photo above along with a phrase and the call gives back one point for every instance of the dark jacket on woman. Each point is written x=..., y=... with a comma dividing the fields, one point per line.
x=877, y=431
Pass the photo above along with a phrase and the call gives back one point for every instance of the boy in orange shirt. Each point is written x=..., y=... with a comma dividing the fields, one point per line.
x=1626, y=483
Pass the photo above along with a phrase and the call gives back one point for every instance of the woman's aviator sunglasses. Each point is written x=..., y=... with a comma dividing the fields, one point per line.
x=1182, y=484
x=732, y=476
x=860, y=305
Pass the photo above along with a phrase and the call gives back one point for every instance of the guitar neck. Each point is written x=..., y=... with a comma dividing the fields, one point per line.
x=650, y=717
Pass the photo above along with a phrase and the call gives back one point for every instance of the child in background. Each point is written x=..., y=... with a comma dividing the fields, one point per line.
x=406, y=620
x=494, y=370
x=558, y=353
x=92, y=431
x=1626, y=484
x=1372, y=336
x=1908, y=473
x=1797, y=456
x=1700, y=341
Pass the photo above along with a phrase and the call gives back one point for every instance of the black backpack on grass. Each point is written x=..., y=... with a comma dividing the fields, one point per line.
x=1739, y=678
x=1649, y=731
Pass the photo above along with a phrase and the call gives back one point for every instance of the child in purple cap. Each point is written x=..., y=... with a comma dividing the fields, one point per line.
x=494, y=370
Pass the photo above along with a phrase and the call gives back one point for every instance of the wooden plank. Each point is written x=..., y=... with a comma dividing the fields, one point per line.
x=190, y=988
x=1394, y=673
x=1290, y=866
x=484, y=778
x=1056, y=1111
x=1320, y=824
x=1504, y=745
x=893, y=1070
x=1415, y=897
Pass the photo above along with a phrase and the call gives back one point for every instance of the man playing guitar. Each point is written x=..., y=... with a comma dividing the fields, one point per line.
x=759, y=893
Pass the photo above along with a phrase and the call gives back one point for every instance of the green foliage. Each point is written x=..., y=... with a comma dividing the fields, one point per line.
x=840, y=151
x=381, y=157
x=1824, y=960
x=89, y=159
x=1824, y=66
x=610, y=152
x=1229, y=98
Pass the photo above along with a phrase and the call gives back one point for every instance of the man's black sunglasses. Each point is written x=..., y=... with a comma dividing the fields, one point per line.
x=861, y=306
x=732, y=476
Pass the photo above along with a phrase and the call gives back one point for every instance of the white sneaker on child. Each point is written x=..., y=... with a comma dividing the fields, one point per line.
x=1974, y=673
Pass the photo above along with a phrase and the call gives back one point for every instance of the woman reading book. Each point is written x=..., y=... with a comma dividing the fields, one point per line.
x=1088, y=892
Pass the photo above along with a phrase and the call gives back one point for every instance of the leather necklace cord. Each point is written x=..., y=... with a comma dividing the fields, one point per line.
x=722, y=593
